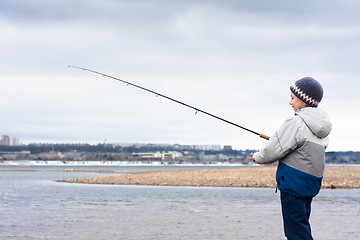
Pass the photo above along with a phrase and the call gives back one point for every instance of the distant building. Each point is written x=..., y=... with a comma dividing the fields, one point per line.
x=155, y=156
x=227, y=148
x=208, y=147
x=5, y=140
x=171, y=156
x=50, y=155
x=15, y=141
x=146, y=156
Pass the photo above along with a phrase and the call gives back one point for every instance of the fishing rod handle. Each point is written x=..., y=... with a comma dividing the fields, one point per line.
x=264, y=136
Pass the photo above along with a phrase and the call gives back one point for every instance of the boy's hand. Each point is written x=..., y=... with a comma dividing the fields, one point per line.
x=253, y=156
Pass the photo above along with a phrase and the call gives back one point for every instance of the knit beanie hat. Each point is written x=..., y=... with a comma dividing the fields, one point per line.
x=308, y=90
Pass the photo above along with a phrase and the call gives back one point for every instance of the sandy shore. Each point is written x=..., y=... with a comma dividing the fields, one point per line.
x=334, y=177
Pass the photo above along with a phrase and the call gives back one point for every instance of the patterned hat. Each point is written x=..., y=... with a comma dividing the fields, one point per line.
x=308, y=90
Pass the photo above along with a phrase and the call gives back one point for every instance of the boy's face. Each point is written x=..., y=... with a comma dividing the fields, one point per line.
x=296, y=103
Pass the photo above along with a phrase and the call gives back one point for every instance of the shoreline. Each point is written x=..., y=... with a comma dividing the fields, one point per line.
x=259, y=177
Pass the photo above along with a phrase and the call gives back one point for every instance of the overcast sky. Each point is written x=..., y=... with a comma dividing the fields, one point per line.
x=234, y=59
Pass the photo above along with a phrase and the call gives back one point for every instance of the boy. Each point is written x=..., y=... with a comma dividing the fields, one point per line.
x=299, y=146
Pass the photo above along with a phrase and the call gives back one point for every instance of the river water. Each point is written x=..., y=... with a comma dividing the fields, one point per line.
x=34, y=206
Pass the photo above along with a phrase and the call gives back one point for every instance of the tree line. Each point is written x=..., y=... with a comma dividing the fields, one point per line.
x=347, y=157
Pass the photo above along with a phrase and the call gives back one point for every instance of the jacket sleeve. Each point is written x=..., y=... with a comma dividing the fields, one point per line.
x=281, y=143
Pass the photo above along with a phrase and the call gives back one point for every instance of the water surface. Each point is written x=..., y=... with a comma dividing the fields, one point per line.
x=35, y=206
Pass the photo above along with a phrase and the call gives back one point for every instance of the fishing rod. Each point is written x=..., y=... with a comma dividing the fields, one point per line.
x=172, y=99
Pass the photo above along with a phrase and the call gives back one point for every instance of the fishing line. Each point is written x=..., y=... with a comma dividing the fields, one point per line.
x=172, y=99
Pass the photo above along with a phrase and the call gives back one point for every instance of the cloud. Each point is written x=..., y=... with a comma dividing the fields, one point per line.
x=235, y=59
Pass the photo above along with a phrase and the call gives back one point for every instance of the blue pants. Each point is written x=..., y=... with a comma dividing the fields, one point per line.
x=296, y=214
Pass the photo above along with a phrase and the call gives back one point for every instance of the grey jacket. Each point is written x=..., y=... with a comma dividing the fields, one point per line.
x=299, y=145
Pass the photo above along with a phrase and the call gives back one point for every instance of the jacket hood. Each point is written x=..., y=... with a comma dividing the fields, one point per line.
x=317, y=120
